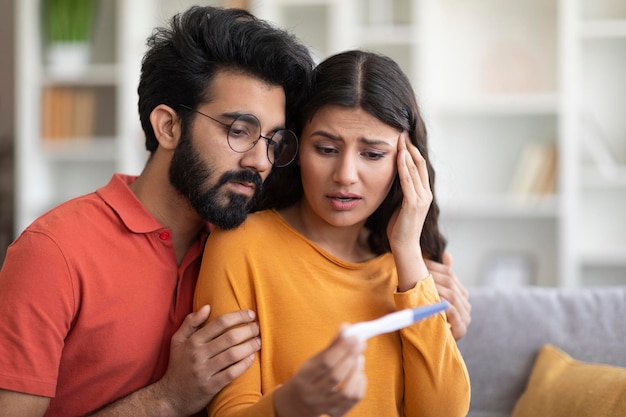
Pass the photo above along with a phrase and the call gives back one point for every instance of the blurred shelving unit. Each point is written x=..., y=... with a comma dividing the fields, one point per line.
x=522, y=100
x=72, y=126
x=78, y=123
x=600, y=92
x=509, y=89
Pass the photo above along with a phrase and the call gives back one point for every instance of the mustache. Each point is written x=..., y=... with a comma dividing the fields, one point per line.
x=242, y=176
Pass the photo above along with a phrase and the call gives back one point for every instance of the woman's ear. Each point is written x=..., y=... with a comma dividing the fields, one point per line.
x=166, y=125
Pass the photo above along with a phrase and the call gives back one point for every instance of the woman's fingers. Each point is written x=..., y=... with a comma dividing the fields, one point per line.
x=412, y=170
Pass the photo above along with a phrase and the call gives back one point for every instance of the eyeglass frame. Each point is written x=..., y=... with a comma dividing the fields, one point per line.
x=268, y=140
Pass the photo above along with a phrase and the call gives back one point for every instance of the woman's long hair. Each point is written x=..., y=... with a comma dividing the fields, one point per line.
x=376, y=84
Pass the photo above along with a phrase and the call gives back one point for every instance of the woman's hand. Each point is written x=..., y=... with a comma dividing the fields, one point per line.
x=405, y=227
x=330, y=383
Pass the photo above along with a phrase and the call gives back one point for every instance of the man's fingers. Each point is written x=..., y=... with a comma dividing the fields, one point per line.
x=454, y=295
x=229, y=371
x=235, y=344
x=192, y=323
x=223, y=323
x=458, y=322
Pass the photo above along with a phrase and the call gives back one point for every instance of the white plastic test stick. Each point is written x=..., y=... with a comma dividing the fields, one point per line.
x=393, y=321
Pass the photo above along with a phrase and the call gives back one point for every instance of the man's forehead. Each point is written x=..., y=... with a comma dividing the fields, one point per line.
x=238, y=92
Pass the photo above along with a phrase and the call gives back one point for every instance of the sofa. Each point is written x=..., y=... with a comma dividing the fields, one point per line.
x=509, y=328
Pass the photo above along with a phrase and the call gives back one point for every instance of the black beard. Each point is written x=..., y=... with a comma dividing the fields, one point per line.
x=188, y=174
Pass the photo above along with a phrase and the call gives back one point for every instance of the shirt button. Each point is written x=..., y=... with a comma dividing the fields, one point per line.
x=164, y=235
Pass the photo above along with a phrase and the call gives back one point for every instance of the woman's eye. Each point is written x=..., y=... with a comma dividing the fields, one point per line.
x=373, y=155
x=325, y=150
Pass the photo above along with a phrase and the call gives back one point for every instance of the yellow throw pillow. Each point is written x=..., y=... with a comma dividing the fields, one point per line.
x=560, y=386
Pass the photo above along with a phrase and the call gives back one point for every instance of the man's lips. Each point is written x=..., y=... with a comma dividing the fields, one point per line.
x=242, y=187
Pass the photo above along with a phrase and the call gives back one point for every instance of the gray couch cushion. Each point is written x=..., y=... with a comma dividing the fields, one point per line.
x=510, y=326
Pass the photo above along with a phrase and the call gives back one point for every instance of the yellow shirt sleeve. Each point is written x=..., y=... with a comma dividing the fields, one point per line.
x=432, y=361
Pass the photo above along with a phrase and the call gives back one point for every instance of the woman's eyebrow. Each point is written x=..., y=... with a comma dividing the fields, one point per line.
x=377, y=142
x=364, y=140
x=327, y=135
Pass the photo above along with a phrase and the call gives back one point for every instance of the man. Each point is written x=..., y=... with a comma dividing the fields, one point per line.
x=92, y=293
x=96, y=295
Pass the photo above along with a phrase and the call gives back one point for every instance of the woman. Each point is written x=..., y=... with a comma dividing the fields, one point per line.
x=346, y=242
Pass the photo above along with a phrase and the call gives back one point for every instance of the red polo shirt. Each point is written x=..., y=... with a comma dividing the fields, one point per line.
x=90, y=296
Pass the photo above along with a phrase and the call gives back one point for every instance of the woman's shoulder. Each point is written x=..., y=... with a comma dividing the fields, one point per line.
x=256, y=224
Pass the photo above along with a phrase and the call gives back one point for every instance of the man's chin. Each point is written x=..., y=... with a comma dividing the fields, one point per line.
x=228, y=217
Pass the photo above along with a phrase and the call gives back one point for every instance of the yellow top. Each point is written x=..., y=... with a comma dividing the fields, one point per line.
x=302, y=294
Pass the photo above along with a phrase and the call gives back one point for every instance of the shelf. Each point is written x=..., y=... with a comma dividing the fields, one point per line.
x=615, y=256
x=603, y=177
x=603, y=28
x=388, y=35
x=93, y=75
x=100, y=149
x=512, y=207
x=504, y=104
x=292, y=3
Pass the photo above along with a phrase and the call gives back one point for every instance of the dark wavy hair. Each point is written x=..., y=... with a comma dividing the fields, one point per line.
x=376, y=84
x=183, y=58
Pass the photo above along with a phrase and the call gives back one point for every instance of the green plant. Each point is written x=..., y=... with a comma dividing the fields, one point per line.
x=68, y=20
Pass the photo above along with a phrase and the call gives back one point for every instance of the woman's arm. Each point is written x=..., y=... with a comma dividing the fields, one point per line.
x=436, y=381
x=405, y=227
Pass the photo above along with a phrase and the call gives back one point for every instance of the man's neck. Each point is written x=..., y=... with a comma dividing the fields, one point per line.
x=170, y=209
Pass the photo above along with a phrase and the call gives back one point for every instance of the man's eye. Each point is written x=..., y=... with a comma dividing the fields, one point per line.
x=239, y=133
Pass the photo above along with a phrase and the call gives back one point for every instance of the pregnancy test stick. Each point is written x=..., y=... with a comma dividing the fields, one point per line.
x=394, y=321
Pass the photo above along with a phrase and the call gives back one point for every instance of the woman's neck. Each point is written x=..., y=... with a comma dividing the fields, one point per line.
x=348, y=243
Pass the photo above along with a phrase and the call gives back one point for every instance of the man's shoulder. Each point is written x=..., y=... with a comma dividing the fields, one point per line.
x=75, y=219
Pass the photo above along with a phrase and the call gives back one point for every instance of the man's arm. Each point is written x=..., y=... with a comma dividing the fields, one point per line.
x=202, y=361
x=17, y=404
x=451, y=289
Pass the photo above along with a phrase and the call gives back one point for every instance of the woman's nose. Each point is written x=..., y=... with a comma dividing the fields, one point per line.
x=346, y=171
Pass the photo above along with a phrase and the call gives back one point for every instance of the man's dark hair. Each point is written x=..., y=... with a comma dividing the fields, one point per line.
x=376, y=84
x=183, y=58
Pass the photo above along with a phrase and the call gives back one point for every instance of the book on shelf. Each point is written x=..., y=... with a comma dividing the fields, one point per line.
x=536, y=170
x=67, y=113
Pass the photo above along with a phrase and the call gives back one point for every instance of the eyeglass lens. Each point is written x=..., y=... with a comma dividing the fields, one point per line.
x=245, y=131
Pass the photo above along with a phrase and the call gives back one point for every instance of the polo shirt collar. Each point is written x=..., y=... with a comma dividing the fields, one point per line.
x=118, y=195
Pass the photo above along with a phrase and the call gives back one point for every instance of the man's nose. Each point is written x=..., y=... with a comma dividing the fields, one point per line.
x=256, y=158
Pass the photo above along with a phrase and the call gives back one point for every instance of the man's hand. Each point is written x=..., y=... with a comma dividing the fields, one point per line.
x=451, y=289
x=203, y=360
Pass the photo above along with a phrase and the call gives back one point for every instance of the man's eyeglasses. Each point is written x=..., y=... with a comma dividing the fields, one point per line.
x=244, y=132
